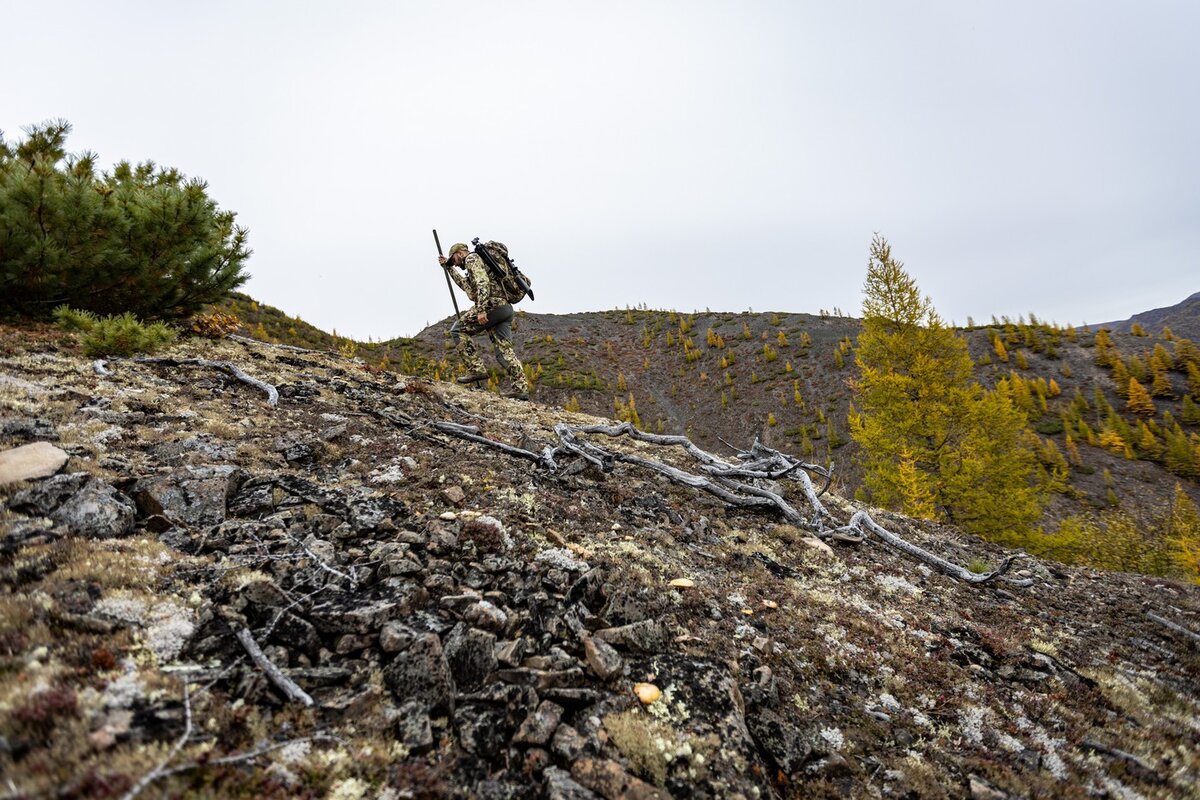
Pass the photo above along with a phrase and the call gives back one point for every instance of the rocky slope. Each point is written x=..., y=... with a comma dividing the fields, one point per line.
x=443, y=619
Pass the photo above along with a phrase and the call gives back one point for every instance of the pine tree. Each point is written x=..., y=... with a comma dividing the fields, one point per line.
x=143, y=239
x=919, y=408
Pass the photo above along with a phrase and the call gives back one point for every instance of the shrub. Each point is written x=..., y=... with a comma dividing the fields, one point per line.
x=117, y=335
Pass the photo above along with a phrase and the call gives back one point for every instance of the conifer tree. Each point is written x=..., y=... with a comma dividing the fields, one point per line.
x=921, y=415
x=1183, y=534
x=1139, y=401
x=143, y=239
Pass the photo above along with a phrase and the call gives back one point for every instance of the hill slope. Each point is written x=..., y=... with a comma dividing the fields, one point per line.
x=469, y=622
x=1183, y=319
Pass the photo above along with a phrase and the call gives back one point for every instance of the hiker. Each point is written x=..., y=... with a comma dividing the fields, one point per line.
x=491, y=312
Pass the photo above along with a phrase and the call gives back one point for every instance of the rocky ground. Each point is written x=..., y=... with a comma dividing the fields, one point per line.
x=431, y=617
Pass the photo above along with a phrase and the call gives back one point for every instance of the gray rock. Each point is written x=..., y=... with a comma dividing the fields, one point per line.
x=471, y=655
x=784, y=742
x=83, y=504
x=192, y=496
x=604, y=660
x=483, y=614
x=420, y=672
x=539, y=726
x=30, y=461
x=567, y=744
x=27, y=428
x=413, y=728
x=559, y=786
x=648, y=636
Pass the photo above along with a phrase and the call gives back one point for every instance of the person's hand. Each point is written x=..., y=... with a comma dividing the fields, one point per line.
x=481, y=318
x=442, y=260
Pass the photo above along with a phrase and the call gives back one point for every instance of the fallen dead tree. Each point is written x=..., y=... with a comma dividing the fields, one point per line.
x=736, y=484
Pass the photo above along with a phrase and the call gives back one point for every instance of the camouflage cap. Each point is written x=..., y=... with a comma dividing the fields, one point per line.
x=457, y=248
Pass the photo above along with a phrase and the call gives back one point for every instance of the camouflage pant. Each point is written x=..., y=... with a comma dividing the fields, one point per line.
x=499, y=330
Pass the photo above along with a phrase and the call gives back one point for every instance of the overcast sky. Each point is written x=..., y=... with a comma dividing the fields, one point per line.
x=1020, y=156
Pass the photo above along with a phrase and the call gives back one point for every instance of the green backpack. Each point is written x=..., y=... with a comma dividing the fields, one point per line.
x=513, y=282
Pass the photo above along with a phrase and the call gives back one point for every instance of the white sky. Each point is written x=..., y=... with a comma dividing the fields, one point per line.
x=1020, y=155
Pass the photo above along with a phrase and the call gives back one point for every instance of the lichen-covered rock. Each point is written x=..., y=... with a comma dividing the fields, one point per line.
x=471, y=655
x=83, y=504
x=196, y=497
x=420, y=672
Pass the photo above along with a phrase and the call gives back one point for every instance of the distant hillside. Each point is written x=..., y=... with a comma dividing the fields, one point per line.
x=1182, y=318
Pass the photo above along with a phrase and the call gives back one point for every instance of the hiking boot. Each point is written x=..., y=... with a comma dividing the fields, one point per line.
x=517, y=395
x=471, y=377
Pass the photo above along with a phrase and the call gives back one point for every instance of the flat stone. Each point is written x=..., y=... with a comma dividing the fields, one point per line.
x=80, y=502
x=648, y=636
x=413, y=727
x=603, y=659
x=559, y=786
x=31, y=461
x=607, y=779
x=539, y=726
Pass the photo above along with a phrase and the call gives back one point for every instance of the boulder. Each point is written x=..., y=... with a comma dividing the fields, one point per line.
x=195, y=497
x=83, y=504
x=30, y=461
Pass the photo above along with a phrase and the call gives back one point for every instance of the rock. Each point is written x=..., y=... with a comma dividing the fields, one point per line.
x=510, y=653
x=602, y=658
x=454, y=495
x=31, y=461
x=254, y=498
x=413, y=728
x=539, y=726
x=567, y=744
x=196, y=497
x=420, y=672
x=483, y=614
x=471, y=655
x=366, y=618
x=26, y=428
x=483, y=729
x=559, y=786
x=395, y=636
x=647, y=636
x=297, y=633
x=80, y=502
x=607, y=779
x=780, y=739
x=982, y=790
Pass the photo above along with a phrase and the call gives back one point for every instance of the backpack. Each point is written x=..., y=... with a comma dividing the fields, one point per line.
x=513, y=282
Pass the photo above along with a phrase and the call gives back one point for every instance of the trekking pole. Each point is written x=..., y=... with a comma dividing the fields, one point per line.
x=449, y=286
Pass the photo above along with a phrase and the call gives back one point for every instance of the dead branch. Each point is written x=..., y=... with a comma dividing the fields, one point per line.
x=226, y=366
x=471, y=434
x=285, y=684
x=763, y=462
x=247, y=340
x=862, y=519
x=1166, y=623
x=253, y=754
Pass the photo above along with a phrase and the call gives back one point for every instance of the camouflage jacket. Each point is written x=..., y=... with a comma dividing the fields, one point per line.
x=479, y=284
